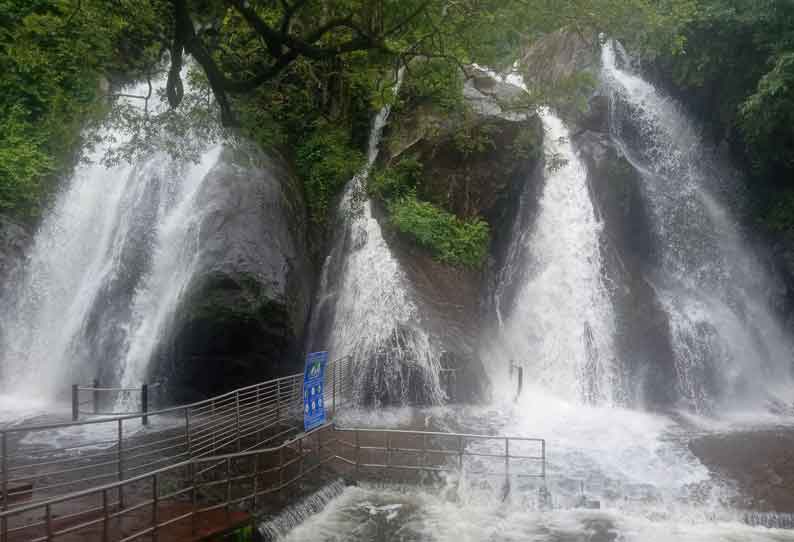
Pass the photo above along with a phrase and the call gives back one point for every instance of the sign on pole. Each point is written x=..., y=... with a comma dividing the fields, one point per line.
x=313, y=379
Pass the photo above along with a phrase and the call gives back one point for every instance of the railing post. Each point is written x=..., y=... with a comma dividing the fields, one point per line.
x=520, y=381
x=460, y=453
x=105, y=517
x=96, y=396
x=507, y=465
x=333, y=390
x=237, y=419
x=278, y=401
x=4, y=451
x=155, y=507
x=48, y=520
x=228, y=489
x=75, y=402
x=119, y=460
x=145, y=403
x=543, y=460
x=358, y=452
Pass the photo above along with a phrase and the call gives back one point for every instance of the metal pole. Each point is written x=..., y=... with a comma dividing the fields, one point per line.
x=155, y=507
x=4, y=449
x=460, y=453
x=120, y=473
x=145, y=403
x=278, y=401
x=96, y=396
x=333, y=389
x=543, y=461
x=520, y=381
x=237, y=419
x=358, y=452
x=75, y=402
x=105, y=517
x=48, y=519
x=507, y=464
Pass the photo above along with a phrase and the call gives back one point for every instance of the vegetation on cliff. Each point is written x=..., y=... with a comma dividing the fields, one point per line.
x=735, y=67
x=307, y=74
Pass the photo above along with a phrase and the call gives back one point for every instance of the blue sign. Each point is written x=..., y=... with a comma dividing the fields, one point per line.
x=313, y=381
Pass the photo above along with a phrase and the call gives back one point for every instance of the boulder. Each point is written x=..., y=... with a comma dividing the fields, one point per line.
x=243, y=315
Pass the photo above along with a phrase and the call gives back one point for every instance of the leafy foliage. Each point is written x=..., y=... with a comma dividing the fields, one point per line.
x=326, y=161
x=52, y=56
x=452, y=240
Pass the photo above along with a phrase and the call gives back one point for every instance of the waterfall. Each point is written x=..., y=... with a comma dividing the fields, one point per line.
x=560, y=324
x=367, y=303
x=106, y=269
x=279, y=527
x=728, y=344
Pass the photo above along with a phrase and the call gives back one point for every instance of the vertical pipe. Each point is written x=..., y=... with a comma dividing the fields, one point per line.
x=4, y=450
x=256, y=480
x=145, y=403
x=48, y=520
x=75, y=402
x=193, y=499
x=155, y=506
x=278, y=402
x=119, y=461
x=96, y=396
x=228, y=489
x=358, y=452
x=333, y=389
x=237, y=419
x=105, y=517
x=507, y=465
x=520, y=380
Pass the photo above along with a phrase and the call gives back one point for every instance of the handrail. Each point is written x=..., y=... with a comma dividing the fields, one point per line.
x=169, y=410
x=222, y=486
x=246, y=418
x=131, y=480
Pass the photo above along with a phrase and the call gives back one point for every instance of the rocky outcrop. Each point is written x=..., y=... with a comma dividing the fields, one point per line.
x=474, y=164
x=13, y=240
x=242, y=319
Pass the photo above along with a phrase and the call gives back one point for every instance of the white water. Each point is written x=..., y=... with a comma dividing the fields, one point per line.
x=636, y=464
x=375, y=319
x=560, y=326
x=107, y=267
x=730, y=349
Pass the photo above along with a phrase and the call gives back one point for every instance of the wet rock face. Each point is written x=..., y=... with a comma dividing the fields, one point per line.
x=242, y=318
x=13, y=241
x=481, y=176
x=761, y=463
x=629, y=259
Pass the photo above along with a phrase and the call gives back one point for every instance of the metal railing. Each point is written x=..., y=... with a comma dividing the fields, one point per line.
x=171, y=502
x=101, y=397
x=426, y=451
x=43, y=461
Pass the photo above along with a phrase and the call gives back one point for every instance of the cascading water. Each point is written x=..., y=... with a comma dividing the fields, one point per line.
x=560, y=325
x=106, y=270
x=728, y=345
x=366, y=297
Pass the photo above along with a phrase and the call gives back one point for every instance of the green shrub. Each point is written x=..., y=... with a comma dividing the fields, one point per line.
x=326, y=160
x=396, y=181
x=450, y=239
